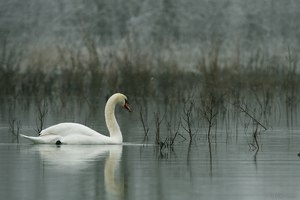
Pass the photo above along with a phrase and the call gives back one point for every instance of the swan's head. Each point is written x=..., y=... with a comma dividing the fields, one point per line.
x=126, y=104
x=122, y=99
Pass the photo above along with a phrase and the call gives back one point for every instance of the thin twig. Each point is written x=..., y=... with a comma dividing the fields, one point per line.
x=145, y=127
x=158, y=122
x=247, y=113
x=42, y=113
x=14, y=127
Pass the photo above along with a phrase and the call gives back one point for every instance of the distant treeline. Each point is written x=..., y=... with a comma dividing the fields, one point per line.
x=88, y=72
x=263, y=24
x=147, y=48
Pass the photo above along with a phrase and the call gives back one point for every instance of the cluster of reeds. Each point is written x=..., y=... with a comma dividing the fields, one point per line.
x=201, y=94
x=199, y=111
x=198, y=117
x=89, y=71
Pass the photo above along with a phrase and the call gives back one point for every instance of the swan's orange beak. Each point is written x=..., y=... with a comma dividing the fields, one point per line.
x=126, y=106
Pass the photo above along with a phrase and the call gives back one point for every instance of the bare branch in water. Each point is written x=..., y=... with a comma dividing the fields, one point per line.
x=158, y=120
x=244, y=110
x=145, y=125
x=14, y=128
x=188, y=116
x=42, y=110
x=210, y=111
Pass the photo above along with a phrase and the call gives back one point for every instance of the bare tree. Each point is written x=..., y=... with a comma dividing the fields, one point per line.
x=42, y=109
x=209, y=111
x=158, y=120
x=173, y=133
x=145, y=125
x=14, y=128
x=188, y=117
x=257, y=123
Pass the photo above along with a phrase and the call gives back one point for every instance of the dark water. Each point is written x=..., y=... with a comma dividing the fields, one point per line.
x=228, y=168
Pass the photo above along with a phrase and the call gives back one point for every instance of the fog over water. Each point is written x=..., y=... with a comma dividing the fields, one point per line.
x=150, y=27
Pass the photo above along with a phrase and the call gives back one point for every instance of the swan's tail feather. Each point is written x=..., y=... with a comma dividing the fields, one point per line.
x=40, y=140
x=25, y=136
x=31, y=138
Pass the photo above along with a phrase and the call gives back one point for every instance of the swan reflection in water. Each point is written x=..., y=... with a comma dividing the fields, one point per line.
x=86, y=160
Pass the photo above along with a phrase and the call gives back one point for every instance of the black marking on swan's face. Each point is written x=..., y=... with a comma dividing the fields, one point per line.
x=126, y=105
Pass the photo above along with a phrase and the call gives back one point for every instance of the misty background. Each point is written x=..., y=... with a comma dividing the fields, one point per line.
x=187, y=29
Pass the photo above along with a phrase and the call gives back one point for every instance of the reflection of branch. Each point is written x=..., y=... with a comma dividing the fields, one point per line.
x=255, y=137
x=255, y=158
x=254, y=143
x=210, y=157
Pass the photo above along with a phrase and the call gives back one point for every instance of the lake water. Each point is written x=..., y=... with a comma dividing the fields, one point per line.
x=228, y=168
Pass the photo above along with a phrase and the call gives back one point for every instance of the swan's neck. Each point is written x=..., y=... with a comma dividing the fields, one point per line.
x=111, y=122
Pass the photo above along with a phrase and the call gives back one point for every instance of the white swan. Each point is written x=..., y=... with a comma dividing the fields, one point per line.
x=73, y=133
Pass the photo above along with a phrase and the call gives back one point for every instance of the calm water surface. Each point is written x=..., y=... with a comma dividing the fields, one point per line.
x=230, y=171
x=226, y=169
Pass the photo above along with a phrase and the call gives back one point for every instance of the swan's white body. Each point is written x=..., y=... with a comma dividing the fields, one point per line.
x=73, y=133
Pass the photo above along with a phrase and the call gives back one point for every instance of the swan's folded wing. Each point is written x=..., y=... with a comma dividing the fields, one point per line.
x=64, y=129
